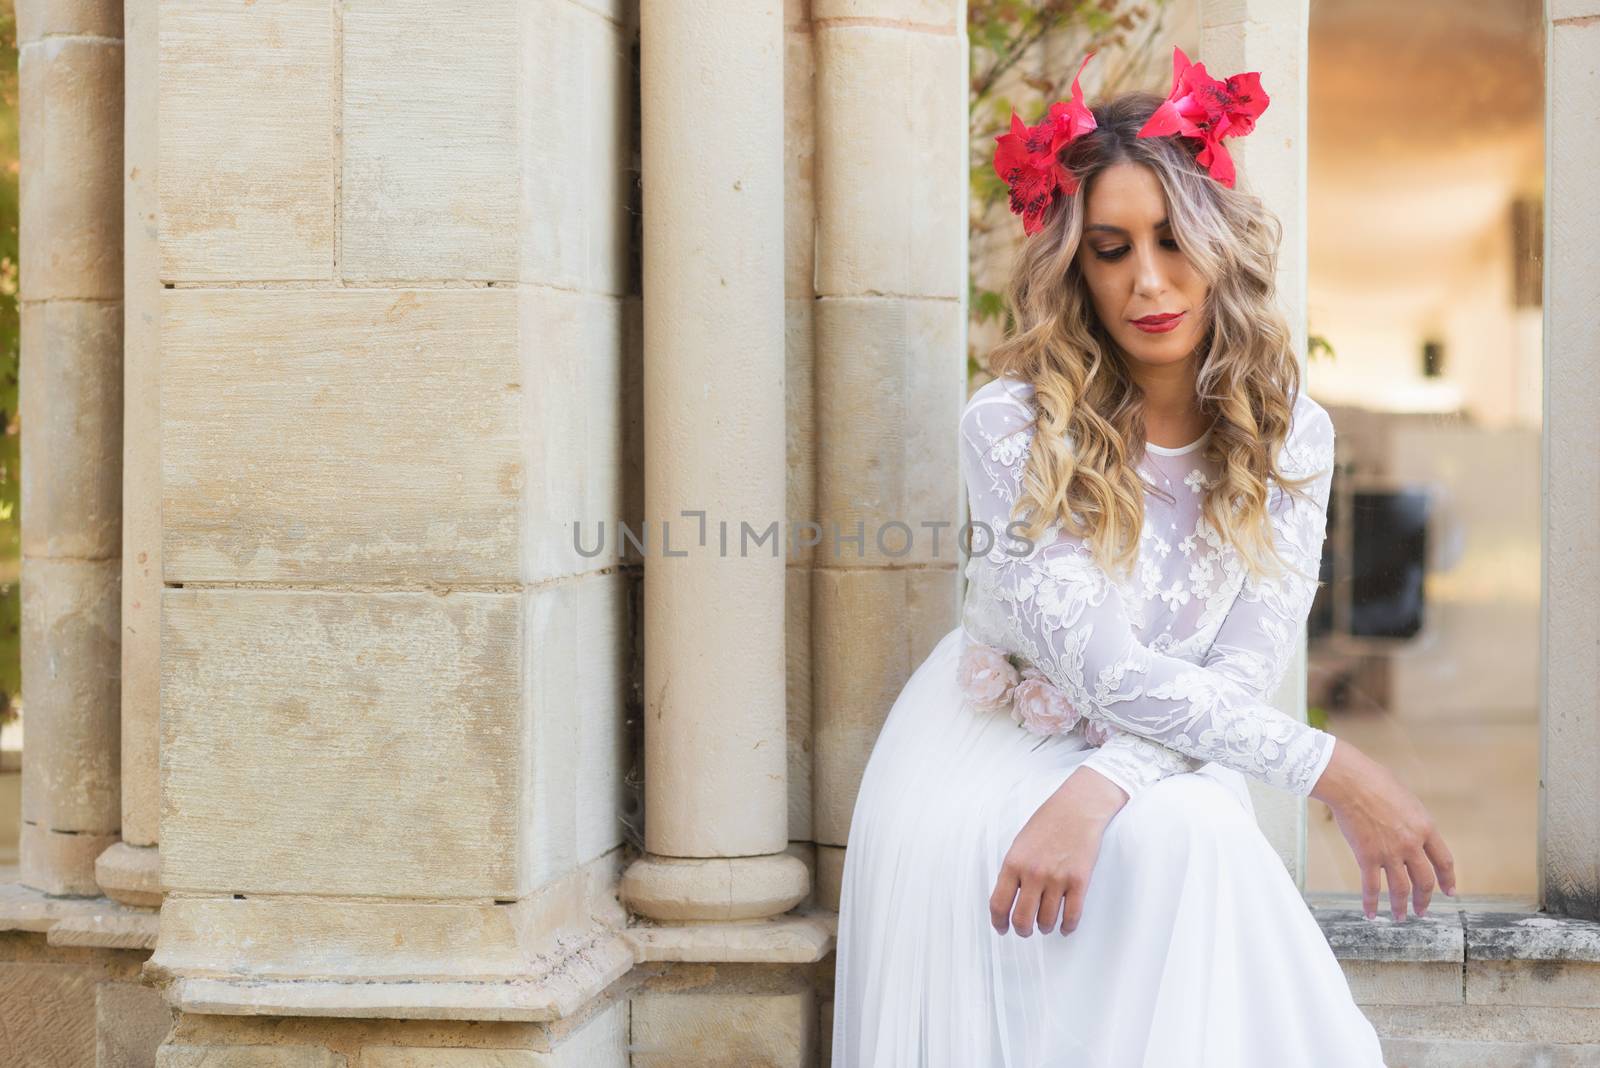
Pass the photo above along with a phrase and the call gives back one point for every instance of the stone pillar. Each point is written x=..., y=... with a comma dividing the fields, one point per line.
x=394, y=254
x=1272, y=36
x=716, y=800
x=891, y=181
x=1569, y=772
x=70, y=74
x=129, y=871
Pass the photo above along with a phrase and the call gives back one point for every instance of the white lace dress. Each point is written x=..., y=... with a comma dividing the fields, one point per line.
x=1194, y=946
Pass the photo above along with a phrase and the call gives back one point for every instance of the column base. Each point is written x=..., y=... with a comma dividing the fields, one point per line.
x=715, y=889
x=60, y=863
x=130, y=874
x=538, y=959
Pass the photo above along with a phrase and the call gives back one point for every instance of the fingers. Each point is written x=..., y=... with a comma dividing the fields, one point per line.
x=1024, y=899
x=1399, y=888
x=1422, y=884
x=1027, y=907
x=1443, y=863
x=1050, y=905
x=1005, y=889
x=1371, y=880
x=1072, y=908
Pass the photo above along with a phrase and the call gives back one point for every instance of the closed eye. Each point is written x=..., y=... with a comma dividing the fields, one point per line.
x=1111, y=254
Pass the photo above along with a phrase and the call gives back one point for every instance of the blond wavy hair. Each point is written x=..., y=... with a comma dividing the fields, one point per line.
x=1089, y=418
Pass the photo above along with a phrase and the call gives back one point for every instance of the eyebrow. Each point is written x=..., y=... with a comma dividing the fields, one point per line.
x=1120, y=230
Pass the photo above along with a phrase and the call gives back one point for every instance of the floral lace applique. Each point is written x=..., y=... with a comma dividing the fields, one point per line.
x=1193, y=693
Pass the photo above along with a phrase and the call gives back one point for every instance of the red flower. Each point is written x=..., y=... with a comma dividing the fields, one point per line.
x=1207, y=110
x=1026, y=158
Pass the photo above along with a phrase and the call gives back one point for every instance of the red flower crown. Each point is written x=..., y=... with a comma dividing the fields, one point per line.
x=1198, y=107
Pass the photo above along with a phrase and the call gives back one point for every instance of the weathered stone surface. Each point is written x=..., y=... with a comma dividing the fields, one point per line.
x=797, y=654
x=1435, y=937
x=1539, y=937
x=830, y=876
x=273, y=938
x=341, y=743
x=94, y=18
x=141, y=437
x=60, y=862
x=1572, y=10
x=896, y=231
x=1443, y=1053
x=70, y=185
x=714, y=888
x=128, y=929
x=1570, y=774
x=429, y=116
x=860, y=672
x=217, y=1056
x=132, y=1020
x=342, y=437
x=445, y=1057
x=70, y=653
x=1395, y=982
x=788, y=938
x=915, y=15
x=888, y=468
x=70, y=396
x=800, y=156
x=724, y=1030
x=576, y=155
x=574, y=349
x=131, y=874
x=1487, y=1023
x=1534, y=982
x=47, y=1010
x=599, y=1042
x=578, y=651
x=25, y=909
x=248, y=141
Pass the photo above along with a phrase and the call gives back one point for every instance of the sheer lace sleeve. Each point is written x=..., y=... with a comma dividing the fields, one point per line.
x=1064, y=614
x=1257, y=637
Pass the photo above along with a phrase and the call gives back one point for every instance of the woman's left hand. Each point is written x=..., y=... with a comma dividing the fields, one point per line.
x=1046, y=871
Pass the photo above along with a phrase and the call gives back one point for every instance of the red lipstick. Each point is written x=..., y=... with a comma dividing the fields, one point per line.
x=1159, y=324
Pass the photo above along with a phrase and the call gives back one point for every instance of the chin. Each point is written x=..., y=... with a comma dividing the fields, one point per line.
x=1158, y=348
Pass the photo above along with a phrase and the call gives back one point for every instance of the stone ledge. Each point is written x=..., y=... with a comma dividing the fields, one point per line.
x=74, y=921
x=580, y=979
x=1452, y=933
x=1531, y=936
x=1437, y=936
x=799, y=937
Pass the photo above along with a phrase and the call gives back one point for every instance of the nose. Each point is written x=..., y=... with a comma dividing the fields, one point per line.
x=1149, y=280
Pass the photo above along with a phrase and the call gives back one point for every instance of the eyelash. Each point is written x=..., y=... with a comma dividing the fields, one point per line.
x=1115, y=254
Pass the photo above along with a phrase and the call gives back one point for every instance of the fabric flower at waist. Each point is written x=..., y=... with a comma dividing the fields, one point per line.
x=992, y=681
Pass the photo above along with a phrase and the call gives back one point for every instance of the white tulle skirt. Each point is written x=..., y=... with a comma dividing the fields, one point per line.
x=1194, y=946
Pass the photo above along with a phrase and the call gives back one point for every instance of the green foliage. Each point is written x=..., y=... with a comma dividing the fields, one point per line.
x=1012, y=44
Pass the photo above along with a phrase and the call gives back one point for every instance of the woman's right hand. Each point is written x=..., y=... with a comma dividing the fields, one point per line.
x=1388, y=829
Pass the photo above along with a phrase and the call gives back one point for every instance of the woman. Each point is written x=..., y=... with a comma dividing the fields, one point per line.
x=1156, y=485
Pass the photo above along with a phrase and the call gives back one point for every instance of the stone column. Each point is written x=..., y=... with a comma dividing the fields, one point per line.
x=129, y=871
x=1272, y=36
x=394, y=254
x=70, y=72
x=892, y=204
x=1569, y=772
x=716, y=803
